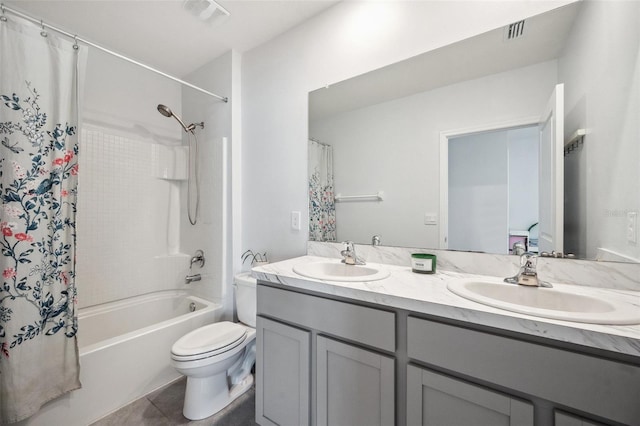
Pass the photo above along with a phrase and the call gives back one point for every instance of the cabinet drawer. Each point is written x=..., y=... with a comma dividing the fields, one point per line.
x=594, y=385
x=361, y=324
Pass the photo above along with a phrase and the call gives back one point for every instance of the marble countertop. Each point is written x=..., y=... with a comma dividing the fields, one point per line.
x=428, y=294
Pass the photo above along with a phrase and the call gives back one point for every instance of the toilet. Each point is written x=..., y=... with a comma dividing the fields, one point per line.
x=217, y=358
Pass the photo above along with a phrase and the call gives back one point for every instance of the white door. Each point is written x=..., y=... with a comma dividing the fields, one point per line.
x=551, y=176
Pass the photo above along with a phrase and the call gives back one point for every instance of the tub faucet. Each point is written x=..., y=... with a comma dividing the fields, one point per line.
x=199, y=260
x=527, y=275
x=349, y=254
x=375, y=240
x=191, y=278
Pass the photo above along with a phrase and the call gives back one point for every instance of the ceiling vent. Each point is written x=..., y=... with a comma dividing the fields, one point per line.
x=206, y=10
x=514, y=31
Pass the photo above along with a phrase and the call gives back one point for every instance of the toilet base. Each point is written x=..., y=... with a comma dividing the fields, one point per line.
x=206, y=396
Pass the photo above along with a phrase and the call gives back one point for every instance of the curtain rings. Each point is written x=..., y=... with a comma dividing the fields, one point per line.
x=43, y=33
x=3, y=18
x=75, y=43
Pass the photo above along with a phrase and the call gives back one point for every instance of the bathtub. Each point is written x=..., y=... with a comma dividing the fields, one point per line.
x=125, y=352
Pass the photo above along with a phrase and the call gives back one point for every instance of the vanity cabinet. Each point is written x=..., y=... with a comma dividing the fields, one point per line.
x=323, y=362
x=434, y=399
x=600, y=387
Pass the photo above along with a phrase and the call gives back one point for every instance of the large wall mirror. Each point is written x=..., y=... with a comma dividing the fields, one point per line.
x=447, y=149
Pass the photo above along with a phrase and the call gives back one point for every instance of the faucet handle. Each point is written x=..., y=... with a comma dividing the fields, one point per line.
x=528, y=259
x=348, y=245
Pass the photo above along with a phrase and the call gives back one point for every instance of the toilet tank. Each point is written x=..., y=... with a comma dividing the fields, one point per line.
x=245, y=286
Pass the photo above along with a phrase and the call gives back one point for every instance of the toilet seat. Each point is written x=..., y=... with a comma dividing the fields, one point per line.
x=208, y=341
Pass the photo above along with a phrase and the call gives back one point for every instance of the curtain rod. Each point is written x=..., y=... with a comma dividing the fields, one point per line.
x=104, y=49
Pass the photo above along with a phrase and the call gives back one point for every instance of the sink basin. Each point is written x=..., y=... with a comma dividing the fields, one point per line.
x=337, y=271
x=563, y=302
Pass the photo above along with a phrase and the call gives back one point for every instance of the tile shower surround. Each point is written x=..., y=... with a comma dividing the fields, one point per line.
x=123, y=214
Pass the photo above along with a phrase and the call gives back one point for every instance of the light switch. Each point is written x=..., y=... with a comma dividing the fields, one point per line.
x=430, y=219
x=295, y=220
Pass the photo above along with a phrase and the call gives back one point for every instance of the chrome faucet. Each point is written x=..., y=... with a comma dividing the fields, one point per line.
x=349, y=254
x=198, y=260
x=375, y=240
x=527, y=275
x=191, y=278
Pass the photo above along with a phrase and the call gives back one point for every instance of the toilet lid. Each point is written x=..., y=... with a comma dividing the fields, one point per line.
x=209, y=338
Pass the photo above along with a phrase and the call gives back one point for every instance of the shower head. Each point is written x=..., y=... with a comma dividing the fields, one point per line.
x=164, y=110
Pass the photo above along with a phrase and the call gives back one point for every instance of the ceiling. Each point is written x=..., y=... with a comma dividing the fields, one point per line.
x=162, y=34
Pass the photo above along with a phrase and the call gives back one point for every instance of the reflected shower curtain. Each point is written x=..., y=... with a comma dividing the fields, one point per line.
x=322, y=207
x=38, y=180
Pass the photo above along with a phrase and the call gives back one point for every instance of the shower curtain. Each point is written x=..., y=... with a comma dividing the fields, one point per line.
x=322, y=207
x=39, y=83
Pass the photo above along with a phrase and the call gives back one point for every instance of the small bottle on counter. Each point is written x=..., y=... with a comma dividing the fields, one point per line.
x=423, y=263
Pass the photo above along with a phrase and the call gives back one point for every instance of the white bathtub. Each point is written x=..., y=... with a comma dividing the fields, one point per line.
x=124, y=353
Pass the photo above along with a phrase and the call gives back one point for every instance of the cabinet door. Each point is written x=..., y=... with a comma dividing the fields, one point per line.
x=354, y=386
x=564, y=419
x=282, y=374
x=434, y=399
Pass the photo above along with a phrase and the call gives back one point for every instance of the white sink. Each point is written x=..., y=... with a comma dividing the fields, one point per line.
x=334, y=270
x=563, y=302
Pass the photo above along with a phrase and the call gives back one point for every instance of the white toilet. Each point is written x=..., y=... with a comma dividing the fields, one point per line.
x=217, y=358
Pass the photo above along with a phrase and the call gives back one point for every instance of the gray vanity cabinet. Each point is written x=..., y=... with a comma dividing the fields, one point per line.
x=435, y=400
x=597, y=386
x=323, y=362
x=282, y=374
x=354, y=386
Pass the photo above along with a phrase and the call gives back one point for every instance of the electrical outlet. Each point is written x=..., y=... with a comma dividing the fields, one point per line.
x=295, y=220
x=632, y=227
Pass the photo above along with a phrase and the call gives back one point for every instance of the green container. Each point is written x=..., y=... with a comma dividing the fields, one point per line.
x=423, y=263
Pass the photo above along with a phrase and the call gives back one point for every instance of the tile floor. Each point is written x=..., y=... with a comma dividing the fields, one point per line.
x=164, y=408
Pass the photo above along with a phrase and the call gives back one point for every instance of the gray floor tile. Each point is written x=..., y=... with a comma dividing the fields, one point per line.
x=139, y=413
x=169, y=400
x=164, y=408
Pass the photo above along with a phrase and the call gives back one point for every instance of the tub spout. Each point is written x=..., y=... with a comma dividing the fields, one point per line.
x=191, y=278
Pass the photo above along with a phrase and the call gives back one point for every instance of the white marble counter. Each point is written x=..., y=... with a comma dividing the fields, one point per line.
x=428, y=294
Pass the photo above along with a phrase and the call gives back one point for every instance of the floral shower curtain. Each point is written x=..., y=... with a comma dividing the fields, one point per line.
x=38, y=178
x=322, y=206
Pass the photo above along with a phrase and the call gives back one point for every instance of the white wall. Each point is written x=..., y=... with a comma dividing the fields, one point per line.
x=394, y=147
x=603, y=96
x=124, y=97
x=348, y=39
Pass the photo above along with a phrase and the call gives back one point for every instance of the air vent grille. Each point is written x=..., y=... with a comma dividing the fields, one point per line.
x=514, y=30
